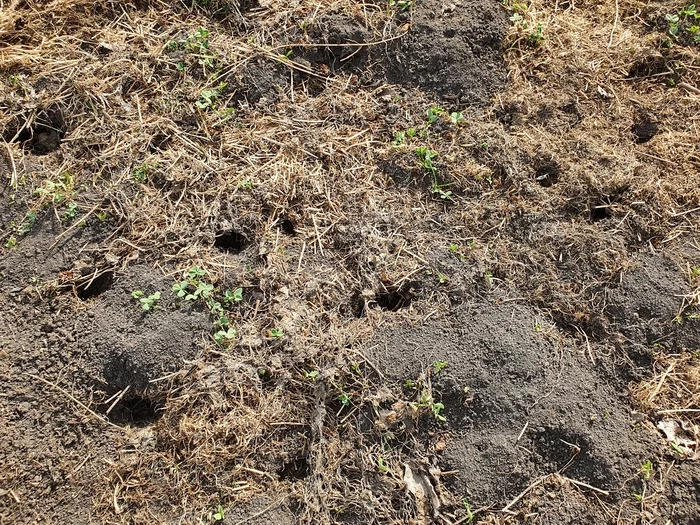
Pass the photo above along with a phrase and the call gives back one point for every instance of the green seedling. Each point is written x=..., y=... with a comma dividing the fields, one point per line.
x=381, y=464
x=195, y=273
x=71, y=211
x=355, y=367
x=647, y=469
x=148, y=303
x=537, y=35
x=439, y=366
x=233, y=297
x=468, y=510
x=399, y=139
x=276, y=333
x=433, y=114
x=456, y=117
x=181, y=288
x=224, y=337
x=220, y=514
x=442, y=278
x=402, y=5
x=411, y=133
x=310, y=375
x=141, y=173
x=11, y=242
x=426, y=156
x=345, y=399
x=207, y=99
x=437, y=408
x=57, y=192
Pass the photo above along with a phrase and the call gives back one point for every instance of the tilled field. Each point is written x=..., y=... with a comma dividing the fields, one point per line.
x=339, y=262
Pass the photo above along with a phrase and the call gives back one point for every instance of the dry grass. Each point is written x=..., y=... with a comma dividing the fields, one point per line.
x=310, y=157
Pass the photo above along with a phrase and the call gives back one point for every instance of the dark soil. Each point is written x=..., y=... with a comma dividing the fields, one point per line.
x=452, y=50
x=520, y=402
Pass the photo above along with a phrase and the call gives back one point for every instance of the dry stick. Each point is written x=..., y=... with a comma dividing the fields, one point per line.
x=69, y=396
x=517, y=498
x=612, y=32
x=75, y=225
x=586, y=485
x=679, y=411
x=688, y=87
x=118, y=399
x=264, y=511
x=658, y=386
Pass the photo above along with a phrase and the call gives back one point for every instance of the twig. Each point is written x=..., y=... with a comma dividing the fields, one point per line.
x=69, y=396
x=688, y=87
x=586, y=485
x=520, y=496
x=617, y=14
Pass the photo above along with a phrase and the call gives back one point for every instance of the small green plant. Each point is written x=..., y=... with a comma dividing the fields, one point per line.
x=224, y=337
x=439, y=366
x=11, y=242
x=401, y=5
x=233, y=297
x=220, y=514
x=345, y=399
x=207, y=99
x=310, y=374
x=434, y=113
x=276, y=333
x=57, y=192
x=686, y=20
x=442, y=278
x=399, y=139
x=141, y=173
x=647, y=469
x=695, y=271
x=148, y=303
x=426, y=156
x=70, y=211
x=425, y=401
x=537, y=34
x=468, y=510
x=381, y=464
x=15, y=80
x=355, y=367
x=456, y=117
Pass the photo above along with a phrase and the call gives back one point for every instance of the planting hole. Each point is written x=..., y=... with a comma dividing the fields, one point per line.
x=394, y=299
x=297, y=468
x=287, y=227
x=139, y=411
x=95, y=287
x=600, y=211
x=547, y=174
x=230, y=241
x=42, y=136
x=644, y=129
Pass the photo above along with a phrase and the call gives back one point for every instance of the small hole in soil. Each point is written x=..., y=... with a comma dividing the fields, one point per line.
x=96, y=287
x=297, y=468
x=394, y=299
x=137, y=411
x=158, y=143
x=287, y=227
x=644, y=129
x=547, y=174
x=42, y=137
x=230, y=241
x=600, y=211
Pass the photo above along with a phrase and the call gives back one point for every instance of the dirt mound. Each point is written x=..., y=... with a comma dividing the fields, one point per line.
x=133, y=346
x=453, y=50
x=649, y=305
x=519, y=403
